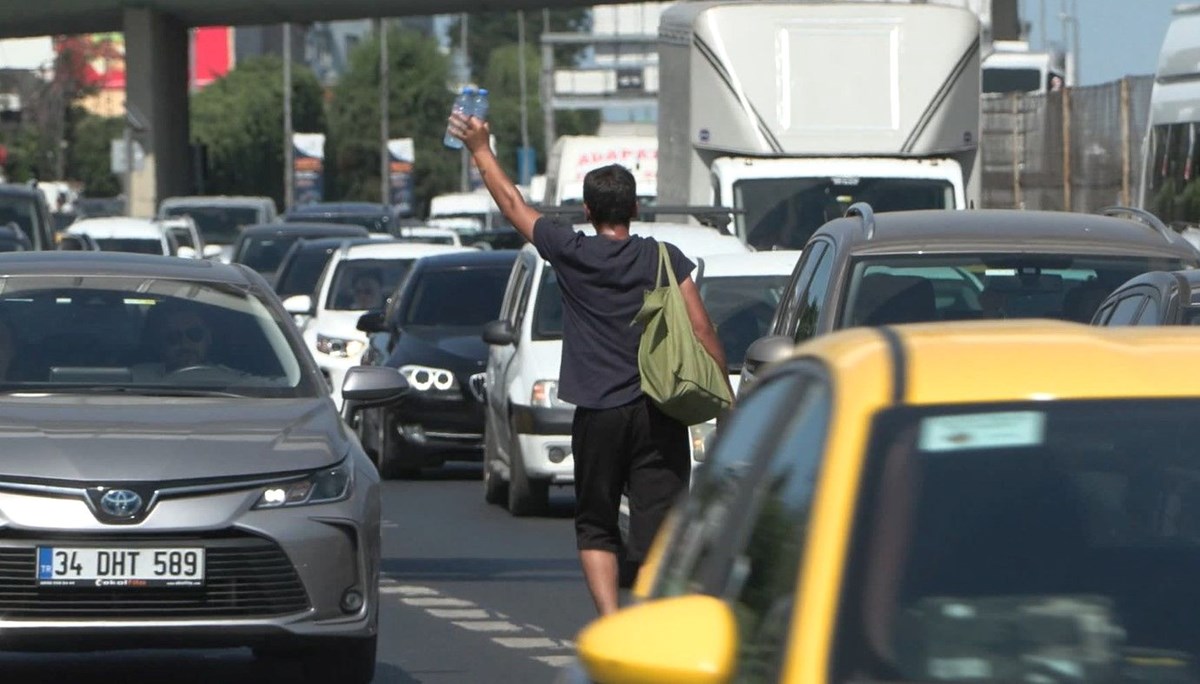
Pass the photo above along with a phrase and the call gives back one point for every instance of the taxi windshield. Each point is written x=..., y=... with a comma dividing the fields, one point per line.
x=1046, y=542
x=142, y=335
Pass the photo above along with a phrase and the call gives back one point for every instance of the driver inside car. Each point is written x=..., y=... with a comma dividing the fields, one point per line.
x=181, y=338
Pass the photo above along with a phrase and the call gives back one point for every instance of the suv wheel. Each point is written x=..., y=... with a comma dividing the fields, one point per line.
x=495, y=489
x=525, y=496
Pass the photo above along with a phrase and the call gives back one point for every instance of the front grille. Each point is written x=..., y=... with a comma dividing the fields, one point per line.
x=245, y=576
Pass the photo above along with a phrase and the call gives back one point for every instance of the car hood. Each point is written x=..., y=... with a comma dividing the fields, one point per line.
x=460, y=350
x=93, y=438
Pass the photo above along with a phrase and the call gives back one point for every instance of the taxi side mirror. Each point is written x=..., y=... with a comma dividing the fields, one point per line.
x=683, y=639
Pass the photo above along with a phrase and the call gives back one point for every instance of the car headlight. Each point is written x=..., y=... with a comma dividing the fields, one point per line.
x=340, y=346
x=323, y=486
x=430, y=380
x=700, y=435
x=545, y=394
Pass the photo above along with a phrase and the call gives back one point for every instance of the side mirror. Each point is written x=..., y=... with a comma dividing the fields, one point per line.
x=368, y=386
x=212, y=251
x=766, y=350
x=186, y=253
x=298, y=305
x=372, y=322
x=683, y=639
x=499, y=333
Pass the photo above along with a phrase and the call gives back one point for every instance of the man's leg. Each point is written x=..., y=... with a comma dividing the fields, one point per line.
x=599, y=449
x=659, y=474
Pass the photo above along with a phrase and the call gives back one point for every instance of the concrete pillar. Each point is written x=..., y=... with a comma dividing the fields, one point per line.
x=156, y=93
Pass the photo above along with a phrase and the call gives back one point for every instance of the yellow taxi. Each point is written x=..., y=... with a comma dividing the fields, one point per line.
x=990, y=501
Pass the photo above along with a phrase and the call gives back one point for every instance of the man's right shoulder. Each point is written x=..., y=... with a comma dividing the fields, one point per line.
x=550, y=235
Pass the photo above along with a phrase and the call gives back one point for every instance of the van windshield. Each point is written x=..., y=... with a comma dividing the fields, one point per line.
x=784, y=212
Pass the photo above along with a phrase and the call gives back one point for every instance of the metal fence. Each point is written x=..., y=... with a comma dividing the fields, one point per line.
x=1078, y=149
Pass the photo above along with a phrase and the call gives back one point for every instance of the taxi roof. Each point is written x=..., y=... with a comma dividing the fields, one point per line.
x=1009, y=361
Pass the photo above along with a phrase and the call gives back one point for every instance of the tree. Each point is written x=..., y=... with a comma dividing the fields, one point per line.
x=418, y=105
x=487, y=31
x=89, y=157
x=239, y=119
x=503, y=80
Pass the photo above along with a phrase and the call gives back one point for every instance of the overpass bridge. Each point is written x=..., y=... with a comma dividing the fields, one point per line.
x=156, y=57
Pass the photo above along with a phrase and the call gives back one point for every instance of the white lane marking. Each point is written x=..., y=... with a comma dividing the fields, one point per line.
x=489, y=626
x=526, y=642
x=438, y=602
x=556, y=660
x=458, y=613
x=408, y=591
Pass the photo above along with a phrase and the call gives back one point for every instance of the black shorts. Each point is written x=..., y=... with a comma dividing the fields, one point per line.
x=634, y=445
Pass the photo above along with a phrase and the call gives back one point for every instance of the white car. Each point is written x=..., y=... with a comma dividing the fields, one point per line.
x=430, y=236
x=124, y=234
x=527, y=438
x=183, y=229
x=345, y=293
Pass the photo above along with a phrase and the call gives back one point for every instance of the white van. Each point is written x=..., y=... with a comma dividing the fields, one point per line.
x=574, y=155
x=527, y=439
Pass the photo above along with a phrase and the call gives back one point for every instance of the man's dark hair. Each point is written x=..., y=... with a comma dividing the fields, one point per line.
x=610, y=193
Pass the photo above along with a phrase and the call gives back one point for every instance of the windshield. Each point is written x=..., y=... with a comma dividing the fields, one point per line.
x=142, y=335
x=21, y=211
x=741, y=307
x=134, y=245
x=217, y=225
x=997, y=80
x=938, y=287
x=365, y=284
x=264, y=253
x=785, y=212
x=300, y=274
x=1035, y=542
x=476, y=294
x=183, y=236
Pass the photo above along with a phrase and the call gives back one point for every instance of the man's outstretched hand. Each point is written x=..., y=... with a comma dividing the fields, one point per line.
x=473, y=131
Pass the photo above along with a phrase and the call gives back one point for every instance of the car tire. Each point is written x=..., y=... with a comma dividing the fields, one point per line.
x=526, y=497
x=346, y=660
x=495, y=489
x=390, y=465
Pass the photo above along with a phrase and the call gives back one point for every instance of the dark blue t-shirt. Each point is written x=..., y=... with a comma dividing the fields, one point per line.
x=603, y=282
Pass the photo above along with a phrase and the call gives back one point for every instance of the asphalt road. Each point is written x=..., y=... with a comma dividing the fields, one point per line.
x=470, y=594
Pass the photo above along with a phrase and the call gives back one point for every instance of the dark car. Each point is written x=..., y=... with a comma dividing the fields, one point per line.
x=1156, y=298
x=494, y=239
x=25, y=207
x=431, y=333
x=262, y=247
x=921, y=266
x=373, y=216
x=173, y=472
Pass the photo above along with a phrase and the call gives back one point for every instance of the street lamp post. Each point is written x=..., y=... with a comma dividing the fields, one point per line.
x=384, y=160
x=289, y=151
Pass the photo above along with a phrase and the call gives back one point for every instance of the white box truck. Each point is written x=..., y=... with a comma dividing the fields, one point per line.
x=792, y=111
x=574, y=155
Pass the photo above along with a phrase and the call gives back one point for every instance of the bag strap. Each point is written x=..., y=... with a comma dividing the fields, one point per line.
x=664, y=259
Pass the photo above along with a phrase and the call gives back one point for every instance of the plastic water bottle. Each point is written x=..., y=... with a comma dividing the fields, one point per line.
x=479, y=108
x=463, y=104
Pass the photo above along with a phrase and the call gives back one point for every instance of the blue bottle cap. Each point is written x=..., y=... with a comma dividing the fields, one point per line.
x=467, y=90
x=483, y=91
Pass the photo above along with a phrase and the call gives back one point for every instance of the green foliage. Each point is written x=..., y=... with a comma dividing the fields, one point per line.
x=89, y=156
x=502, y=78
x=239, y=118
x=28, y=156
x=418, y=105
x=488, y=31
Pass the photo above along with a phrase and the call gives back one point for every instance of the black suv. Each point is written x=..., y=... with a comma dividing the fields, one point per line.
x=25, y=207
x=1156, y=298
x=431, y=333
x=920, y=266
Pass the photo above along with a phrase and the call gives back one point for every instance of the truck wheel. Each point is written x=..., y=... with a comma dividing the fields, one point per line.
x=526, y=497
x=495, y=489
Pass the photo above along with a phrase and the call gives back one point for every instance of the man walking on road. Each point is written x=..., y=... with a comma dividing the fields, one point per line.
x=619, y=438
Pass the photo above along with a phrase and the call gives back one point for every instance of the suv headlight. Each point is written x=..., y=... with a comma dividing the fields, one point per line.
x=545, y=394
x=431, y=381
x=340, y=346
x=324, y=486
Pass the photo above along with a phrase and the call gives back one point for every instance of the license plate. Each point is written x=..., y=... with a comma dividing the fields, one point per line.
x=115, y=567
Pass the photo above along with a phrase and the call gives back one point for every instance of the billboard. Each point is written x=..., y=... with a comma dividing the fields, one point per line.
x=401, y=155
x=308, y=168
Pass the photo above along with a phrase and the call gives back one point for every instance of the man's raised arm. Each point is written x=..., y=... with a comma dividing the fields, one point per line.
x=477, y=138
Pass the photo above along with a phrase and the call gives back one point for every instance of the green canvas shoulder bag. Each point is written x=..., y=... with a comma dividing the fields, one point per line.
x=677, y=372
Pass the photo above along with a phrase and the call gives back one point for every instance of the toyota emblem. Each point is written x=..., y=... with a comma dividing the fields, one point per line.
x=121, y=503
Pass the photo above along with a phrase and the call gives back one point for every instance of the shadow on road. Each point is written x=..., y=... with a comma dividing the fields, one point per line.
x=229, y=666
x=483, y=569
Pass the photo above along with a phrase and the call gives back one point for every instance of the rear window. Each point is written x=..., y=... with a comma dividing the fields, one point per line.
x=264, y=253
x=301, y=274
x=457, y=297
x=741, y=307
x=939, y=287
x=133, y=245
x=218, y=225
x=21, y=211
